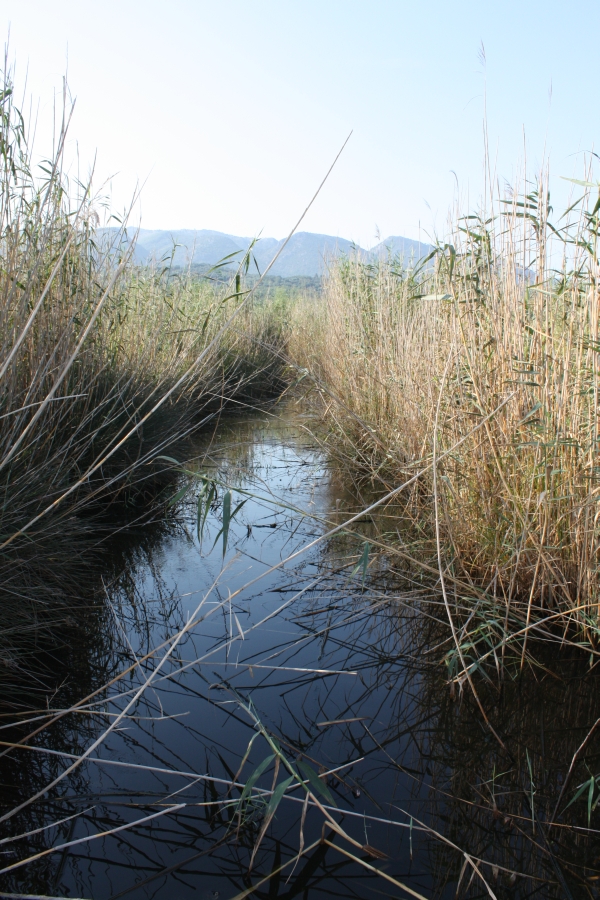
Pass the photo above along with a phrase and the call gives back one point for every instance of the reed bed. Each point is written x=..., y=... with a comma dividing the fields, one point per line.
x=465, y=387
x=480, y=368
x=103, y=367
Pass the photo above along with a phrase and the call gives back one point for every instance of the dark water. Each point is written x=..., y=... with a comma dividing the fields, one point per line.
x=342, y=668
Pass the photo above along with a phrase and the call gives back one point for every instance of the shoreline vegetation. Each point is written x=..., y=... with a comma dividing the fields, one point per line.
x=460, y=393
x=479, y=371
x=104, y=366
x=473, y=374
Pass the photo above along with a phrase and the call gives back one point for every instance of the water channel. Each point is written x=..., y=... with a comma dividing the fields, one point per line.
x=334, y=654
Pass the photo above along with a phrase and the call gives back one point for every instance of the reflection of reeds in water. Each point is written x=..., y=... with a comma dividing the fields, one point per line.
x=103, y=366
x=343, y=753
x=359, y=689
x=503, y=805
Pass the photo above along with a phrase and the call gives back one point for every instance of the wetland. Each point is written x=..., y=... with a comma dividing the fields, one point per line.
x=298, y=588
x=210, y=662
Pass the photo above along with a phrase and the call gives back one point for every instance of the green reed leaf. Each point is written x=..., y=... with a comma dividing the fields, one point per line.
x=363, y=563
x=276, y=798
x=255, y=776
x=226, y=519
x=315, y=782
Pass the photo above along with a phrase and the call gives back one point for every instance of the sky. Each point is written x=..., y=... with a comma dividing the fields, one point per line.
x=228, y=113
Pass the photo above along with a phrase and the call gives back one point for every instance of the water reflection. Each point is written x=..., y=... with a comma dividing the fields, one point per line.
x=346, y=675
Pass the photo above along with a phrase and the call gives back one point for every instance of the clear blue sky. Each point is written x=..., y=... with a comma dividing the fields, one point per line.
x=230, y=111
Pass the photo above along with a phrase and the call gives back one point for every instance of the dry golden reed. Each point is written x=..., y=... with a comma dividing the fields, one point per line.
x=505, y=312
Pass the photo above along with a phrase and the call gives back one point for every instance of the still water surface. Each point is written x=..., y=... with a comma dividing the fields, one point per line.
x=333, y=663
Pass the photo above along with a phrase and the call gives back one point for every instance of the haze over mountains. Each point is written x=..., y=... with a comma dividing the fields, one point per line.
x=305, y=255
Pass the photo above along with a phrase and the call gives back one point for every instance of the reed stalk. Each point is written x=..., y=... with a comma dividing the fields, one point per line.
x=509, y=304
x=103, y=366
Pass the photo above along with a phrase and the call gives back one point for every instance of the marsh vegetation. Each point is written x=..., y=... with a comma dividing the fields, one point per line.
x=475, y=378
x=299, y=588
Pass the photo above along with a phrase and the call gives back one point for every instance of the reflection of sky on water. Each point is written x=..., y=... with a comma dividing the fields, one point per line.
x=305, y=646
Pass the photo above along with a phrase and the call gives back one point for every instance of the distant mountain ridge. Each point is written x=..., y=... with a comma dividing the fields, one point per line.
x=305, y=255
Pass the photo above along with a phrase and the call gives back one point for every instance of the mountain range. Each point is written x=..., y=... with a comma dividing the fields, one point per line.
x=305, y=255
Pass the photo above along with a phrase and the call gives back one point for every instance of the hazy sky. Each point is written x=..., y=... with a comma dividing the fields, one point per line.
x=231, y=111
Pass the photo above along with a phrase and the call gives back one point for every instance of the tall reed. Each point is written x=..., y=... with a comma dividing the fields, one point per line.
x=506, y=312
x=103, y=366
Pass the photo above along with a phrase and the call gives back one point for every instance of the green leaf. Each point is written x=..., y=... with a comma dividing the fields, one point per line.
x=224, y=261
x=255, y=776
x=531, y=413
x=179, y=495
x=226, y=519
x=581, y=789
x=277, y=795
x=363, y=563
x=315, y=782
x=199, y=514
x=206, y=321
x=238, y=507
x=270, y=812
x=582, y=184
x=205, y=499
x=233, y=296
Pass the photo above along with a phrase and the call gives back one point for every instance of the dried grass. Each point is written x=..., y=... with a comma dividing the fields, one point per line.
x=509, y=307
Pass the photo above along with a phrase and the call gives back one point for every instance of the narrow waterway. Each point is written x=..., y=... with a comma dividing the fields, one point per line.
x=209, y=653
